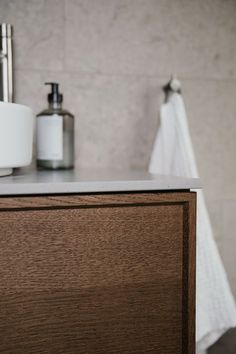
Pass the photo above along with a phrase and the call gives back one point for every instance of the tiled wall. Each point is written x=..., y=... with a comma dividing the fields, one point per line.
x=112, y=57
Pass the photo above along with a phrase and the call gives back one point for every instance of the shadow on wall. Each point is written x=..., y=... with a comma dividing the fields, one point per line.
x=225, y=345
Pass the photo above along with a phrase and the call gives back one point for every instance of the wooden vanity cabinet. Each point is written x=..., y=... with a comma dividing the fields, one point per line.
x=98, y=273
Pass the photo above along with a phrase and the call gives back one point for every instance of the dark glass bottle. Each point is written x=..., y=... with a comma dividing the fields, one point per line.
x=55, y=133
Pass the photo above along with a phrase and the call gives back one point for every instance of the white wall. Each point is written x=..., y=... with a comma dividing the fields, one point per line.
x=112, y=57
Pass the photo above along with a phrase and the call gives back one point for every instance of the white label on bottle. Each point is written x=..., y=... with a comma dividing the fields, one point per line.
x=50, y=137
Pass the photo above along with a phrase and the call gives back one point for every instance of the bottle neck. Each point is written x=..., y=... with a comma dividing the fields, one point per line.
x=55, y=105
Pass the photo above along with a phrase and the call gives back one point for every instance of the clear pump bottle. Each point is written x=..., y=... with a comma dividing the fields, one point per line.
x=55, y=133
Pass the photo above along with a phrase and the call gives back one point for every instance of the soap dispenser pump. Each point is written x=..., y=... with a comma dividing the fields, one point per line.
x=55, y=133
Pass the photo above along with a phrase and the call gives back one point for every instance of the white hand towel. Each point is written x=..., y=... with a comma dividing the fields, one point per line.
x=173, y=155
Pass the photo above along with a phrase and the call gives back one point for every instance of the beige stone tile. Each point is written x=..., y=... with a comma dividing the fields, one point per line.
x=211, y=108
x=229, y=222
x=232, y=283
x=215, y=210
x=193, y=39
x=28, y=89
x=111, y=36
x=116, y=119
x=38, y=32
x=228, y=161
x=229, y=257
x=201, y=37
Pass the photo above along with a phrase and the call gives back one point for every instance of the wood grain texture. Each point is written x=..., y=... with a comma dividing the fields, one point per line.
x=97, y=274
x=86, y=200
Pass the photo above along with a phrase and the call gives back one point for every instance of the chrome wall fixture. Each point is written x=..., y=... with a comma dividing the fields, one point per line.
x=6, y=63
x=173, y=85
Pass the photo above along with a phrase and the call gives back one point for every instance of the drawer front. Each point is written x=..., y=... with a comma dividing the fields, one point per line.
x=96, y=274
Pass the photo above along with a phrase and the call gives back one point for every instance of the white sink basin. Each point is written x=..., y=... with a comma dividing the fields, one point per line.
x=16, y=136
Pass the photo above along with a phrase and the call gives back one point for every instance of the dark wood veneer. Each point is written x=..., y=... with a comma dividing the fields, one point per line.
x=98, y=274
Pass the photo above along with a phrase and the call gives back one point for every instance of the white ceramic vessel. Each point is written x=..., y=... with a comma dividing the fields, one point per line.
x=16, y=136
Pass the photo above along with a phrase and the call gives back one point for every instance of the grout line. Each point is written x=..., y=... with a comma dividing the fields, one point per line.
x=145, y=76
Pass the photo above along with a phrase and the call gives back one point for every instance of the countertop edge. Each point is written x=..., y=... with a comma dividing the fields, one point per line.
x=81, y=187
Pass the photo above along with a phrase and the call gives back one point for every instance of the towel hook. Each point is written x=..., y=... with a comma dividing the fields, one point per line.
x=174, y=85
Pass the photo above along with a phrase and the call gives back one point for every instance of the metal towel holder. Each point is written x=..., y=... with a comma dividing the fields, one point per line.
x=173, y=85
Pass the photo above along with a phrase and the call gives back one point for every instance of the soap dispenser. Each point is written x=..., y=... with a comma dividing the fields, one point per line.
x=55, y=133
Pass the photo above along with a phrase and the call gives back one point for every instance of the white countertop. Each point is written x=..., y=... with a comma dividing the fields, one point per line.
x=90, y=181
